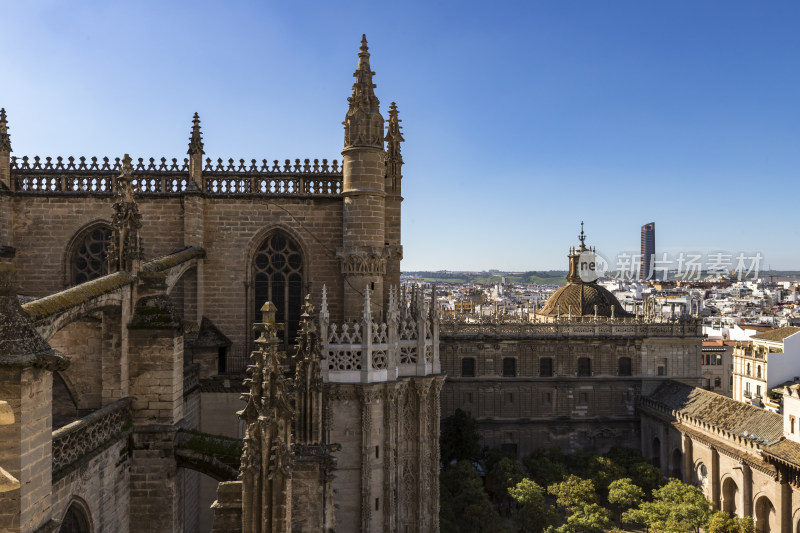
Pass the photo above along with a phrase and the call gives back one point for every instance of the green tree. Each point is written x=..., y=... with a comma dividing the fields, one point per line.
x=676, y=508
x=573, y=491
x=603, y=471
x=587, y=518
x=532, y=514
x=464, y=505
x=722, y=522
x=624, y=494
x=647, y=476
x=625, y=457
x=459, y=439
x=505, y=474
x=546, y=466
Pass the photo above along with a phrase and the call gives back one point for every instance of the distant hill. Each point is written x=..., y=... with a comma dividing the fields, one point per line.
x=540, y=277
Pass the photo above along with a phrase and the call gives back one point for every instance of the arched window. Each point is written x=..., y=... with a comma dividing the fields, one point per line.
x=509, y=367
x=87, y=258
x=468, y=367
x=278, y=277
x=584, y=366
x=546, y=367
x=75, y=521
x=624, y=366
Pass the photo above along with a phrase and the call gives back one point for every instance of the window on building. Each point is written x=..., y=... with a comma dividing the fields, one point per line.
x=548, y=398
x=719, y=360
x=717, y=383
x=509, y=367
x=509, y=397
x=468, y=397
x=88, y=254
x=584, y=366
x=758, y=371
x=624, y=366
x=278, y=278
x=758, y=390
x=747, y=388
x=468, y=367
x=791, y=423
x=546, y=367
x=509, y=448
x=661, y=370
x=748, y=369
x=583, y=398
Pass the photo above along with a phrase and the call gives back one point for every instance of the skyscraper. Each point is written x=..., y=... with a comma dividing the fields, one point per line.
x=648, y=250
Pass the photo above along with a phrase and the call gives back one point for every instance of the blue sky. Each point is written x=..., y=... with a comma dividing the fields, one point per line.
x=521, y=118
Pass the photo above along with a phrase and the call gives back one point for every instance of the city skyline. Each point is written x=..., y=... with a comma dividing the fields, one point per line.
x=520, y=121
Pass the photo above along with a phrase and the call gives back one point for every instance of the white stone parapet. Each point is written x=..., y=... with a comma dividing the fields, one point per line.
x=405, y=344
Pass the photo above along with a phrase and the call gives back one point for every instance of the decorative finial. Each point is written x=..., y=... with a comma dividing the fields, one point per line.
x=582, y=236
x=125, y=249
x=5, y=138
x=196, y=140
x=363, y=124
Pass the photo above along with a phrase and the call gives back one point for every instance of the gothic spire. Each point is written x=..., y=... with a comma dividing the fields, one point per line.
x=394, y=158
x=196, y=140
x=363, y=124
x=5, y=138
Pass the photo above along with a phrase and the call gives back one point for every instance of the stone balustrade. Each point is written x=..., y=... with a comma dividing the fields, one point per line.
x=92, y=432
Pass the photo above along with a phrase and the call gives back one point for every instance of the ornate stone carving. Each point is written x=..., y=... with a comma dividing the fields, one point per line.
x=363, y=124
x=266, y=458
x=125, y=248
x=308, y=378
x=394, y=158
x=5, y=138
x=365, y=261
x=196, y=139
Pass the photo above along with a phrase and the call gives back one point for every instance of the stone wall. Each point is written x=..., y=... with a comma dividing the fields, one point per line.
x=386, y=476
x=233, y=228
x=101, y=486
x=526, y=410
x=82, y=342
x=27, y=447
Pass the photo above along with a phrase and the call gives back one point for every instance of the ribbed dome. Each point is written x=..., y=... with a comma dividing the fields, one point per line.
x=582, y=297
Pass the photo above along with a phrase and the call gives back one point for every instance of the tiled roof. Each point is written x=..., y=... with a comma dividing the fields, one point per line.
x=785, y=450
x=719, y=411
x=777, y=335
x=580, y=299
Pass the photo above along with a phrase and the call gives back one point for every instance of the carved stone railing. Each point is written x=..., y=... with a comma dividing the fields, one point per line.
x=406, y=344
x=467, y=328
x=162, y=177
x=92, y=432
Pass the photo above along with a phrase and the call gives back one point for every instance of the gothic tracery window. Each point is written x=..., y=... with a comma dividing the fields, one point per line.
x=88, y=254
x=278, y=277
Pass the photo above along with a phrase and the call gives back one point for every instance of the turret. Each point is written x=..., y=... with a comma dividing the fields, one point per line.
x=363, y=252
x=394, y=198
x=5, y=152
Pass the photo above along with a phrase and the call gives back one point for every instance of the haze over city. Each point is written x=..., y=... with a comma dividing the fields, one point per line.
x=520, y=119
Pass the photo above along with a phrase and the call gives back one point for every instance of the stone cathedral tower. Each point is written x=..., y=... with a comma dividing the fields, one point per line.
x=365, y=444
